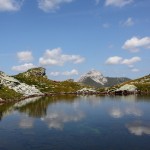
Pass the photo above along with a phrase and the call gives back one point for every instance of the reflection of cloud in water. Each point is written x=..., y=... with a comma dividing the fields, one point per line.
x=57, y=120
x=117, y=112
x=26, y=123
x=138, y=128
x=133, y=111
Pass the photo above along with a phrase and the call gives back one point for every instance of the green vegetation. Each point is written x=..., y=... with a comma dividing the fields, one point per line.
x=9, y=95
x=142, y=84
x=48, y=86
x=38, y=78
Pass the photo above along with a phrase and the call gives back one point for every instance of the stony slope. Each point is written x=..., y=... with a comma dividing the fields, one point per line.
x=37, y=77
x=32, y=82
x=11, y=85
x=142, y=84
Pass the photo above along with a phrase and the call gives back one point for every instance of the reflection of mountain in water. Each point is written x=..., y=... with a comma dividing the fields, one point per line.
x=5, y=109
x=39, y=108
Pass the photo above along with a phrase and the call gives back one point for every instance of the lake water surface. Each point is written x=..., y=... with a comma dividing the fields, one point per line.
x=77, y=123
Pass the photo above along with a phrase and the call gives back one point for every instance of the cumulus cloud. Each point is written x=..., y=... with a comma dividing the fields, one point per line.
x=23, y=67
x=25, y=56
x=129, y=22
x=135, y=43
x=131, y=61
x=55, y=73
x=55, y=57
x=70, y=73
x=117, y=3
x=10, y=5
x=65, y=73
x=51, y=5
x=114, y=60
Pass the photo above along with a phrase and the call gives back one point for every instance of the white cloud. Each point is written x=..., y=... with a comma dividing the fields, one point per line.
x=55, y=73
x=135, y=43
x=51, y=5
x=65, y=73
x=118, y=3
x=55, y=57
x=70, y=73
x=10, y=5
x=129, y=22
x=114, y=60
x=131, y=61
x=135, y=70
x=25, y=56
x=23, y=67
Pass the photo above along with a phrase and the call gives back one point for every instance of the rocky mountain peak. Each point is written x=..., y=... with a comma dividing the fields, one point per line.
x=40, y=71
x=95, y=76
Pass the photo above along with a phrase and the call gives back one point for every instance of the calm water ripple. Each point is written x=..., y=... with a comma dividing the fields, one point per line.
x=76, y=123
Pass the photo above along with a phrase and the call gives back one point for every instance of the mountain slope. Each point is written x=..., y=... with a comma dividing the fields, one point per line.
x=37, y=77
x=96, y=79
x=142, y=84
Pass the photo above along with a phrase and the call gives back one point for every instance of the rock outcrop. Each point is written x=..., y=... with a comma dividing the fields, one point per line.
x=36, y=72
x=127, y=87
x=22, y=88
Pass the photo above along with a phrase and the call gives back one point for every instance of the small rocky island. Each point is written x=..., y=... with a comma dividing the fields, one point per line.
x=34, y=82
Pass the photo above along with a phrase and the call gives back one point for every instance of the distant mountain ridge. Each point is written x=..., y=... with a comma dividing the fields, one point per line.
x=96, y=79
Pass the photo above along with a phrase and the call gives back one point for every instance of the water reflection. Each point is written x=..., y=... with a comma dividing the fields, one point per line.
x=38, y=108
x=71, y=122
x=57, y=120
x=139, y=128
x=26, y=123
x=118, y=112
x=5, y=109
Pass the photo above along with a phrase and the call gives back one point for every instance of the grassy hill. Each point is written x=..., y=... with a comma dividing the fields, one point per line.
x=37, y=77
x=143, y=83
x=9, y=95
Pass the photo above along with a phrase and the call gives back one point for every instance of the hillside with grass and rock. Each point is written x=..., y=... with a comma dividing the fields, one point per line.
x=33, y=82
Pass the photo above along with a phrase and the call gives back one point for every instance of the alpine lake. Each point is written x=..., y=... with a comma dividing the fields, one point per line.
x=72, y=122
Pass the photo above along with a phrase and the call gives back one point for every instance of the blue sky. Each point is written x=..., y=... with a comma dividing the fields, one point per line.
x=71, y=37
